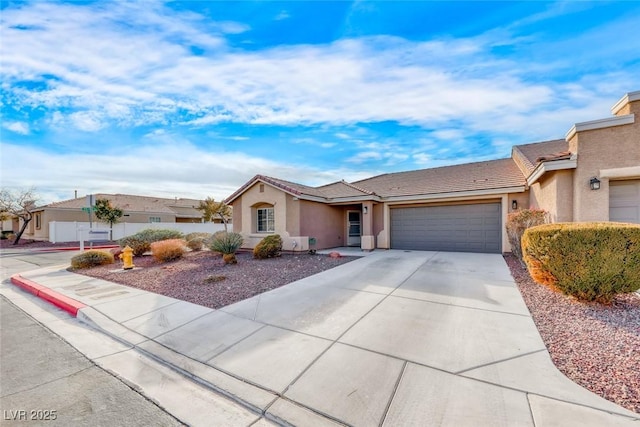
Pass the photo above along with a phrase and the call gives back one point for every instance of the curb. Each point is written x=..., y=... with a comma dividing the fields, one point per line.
x=68, y=304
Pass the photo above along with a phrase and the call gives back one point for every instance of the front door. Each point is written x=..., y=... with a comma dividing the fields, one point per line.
x=353, y=228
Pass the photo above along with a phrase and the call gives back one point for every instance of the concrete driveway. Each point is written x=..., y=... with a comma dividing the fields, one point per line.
x=394, y=338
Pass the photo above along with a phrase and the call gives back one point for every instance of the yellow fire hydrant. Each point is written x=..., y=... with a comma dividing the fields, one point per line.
x=127, y=258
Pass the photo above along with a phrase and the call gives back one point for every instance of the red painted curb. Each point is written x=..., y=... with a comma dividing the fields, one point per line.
x=26, y=284
x=68, y=304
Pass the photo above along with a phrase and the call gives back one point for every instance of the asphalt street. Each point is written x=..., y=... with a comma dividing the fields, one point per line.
x=45, y=381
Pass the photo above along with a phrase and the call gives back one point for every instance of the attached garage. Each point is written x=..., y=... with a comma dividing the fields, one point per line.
x=624, y=201
x=453, y=228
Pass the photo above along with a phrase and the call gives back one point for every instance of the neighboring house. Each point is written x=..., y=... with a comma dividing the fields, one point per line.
x=458, y=208
x=137, y=209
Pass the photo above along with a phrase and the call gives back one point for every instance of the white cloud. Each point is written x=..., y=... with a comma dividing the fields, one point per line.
x=17, y=127
x=111, y=72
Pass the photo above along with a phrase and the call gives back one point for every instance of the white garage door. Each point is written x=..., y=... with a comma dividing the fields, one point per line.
x=624, y=201
x=453, y=228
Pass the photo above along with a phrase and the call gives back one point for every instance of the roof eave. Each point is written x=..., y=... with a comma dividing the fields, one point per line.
x=259, y=178
x=627, y=98
x=458, y=194
x=600, y=124
x=551, y=165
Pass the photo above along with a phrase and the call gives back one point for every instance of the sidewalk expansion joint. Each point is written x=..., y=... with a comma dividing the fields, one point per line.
x=544, y=349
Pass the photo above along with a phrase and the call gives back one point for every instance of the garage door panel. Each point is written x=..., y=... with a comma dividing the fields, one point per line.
x=465, y=228
x=624, y=201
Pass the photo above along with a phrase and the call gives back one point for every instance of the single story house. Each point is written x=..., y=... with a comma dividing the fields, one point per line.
x=136, y=209
x=593, y=174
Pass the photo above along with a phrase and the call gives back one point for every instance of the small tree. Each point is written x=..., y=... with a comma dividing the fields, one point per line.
x=106, y=213
x=212, y=209
x=20, y=203
x=518, y=222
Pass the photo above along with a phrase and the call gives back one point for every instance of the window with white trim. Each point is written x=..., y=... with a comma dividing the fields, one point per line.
x=265, y=220
x=155, y=219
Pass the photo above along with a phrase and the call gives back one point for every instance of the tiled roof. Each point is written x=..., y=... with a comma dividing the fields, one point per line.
x=342, y=189
x=291, y=187
x=493, y=174
x=288, y=186
x=488, y=175
x=131, y=203
x=532, y=154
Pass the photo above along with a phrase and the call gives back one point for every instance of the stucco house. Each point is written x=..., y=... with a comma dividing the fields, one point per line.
x=136, y=209
x=593, y=174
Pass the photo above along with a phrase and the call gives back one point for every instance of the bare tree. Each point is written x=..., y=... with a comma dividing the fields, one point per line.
x=212, y=209
x=20, y=203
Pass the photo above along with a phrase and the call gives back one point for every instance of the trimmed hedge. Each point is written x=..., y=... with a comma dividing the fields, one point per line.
x=269, y=247
x=92, y=258
x=590, y=261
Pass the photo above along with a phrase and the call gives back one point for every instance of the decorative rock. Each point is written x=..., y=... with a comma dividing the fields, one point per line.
x=335, y=255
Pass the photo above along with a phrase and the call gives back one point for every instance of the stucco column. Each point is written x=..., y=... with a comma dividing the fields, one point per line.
x=368, y=241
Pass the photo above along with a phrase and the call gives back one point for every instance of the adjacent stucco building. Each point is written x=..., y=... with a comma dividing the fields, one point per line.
x=136, y=209
x=593, y=174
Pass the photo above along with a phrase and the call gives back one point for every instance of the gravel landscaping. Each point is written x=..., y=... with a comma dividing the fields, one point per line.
x=203, y=278
x=596, y=345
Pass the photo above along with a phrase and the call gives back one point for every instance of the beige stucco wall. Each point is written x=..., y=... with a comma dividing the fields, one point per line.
x=287, y=214
x=325, y=223
x=601, y=149
x=554, y=194
x=236, y=213
x=521, y=198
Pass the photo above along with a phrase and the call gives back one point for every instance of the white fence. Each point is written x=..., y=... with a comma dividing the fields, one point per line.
x=60, y=231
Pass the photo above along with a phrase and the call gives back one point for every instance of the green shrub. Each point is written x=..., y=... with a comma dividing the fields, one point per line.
x=269, y=247
x=138, y=245
x=155, y=235
x=197, y=241
x=518, y=222
x=92, y=258
x=168, y=250
x=227, y=244
x=590, y=261
x=141, y=241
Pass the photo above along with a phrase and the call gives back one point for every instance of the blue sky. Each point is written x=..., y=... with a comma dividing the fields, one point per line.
x=191, y=99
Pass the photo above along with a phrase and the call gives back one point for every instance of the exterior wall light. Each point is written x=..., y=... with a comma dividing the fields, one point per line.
x=365, y=209
x=514, y=204
x=594, y=183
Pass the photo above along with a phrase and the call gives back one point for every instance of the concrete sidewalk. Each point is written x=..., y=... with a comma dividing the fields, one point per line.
x=394, y=338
